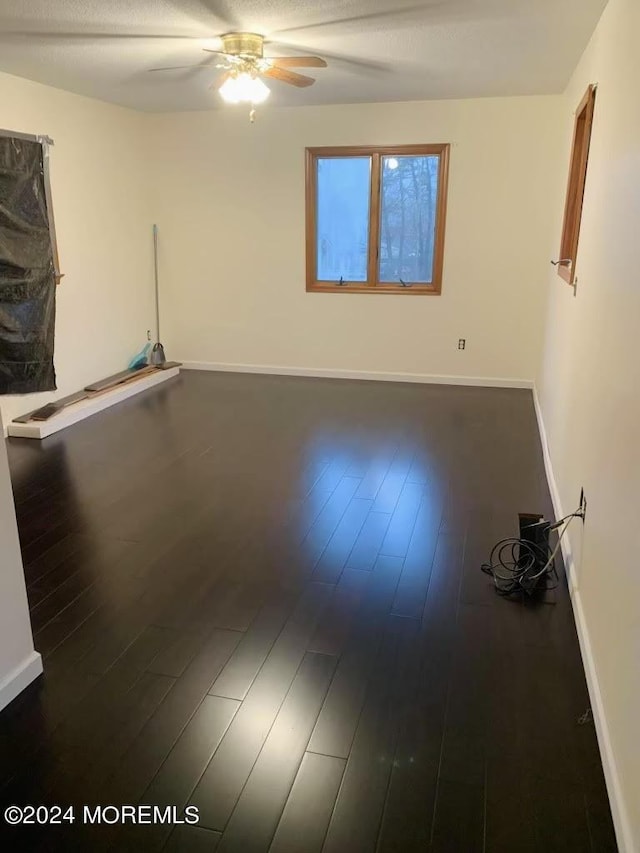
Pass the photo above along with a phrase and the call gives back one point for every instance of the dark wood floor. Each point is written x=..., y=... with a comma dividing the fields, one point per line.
x=261, y=596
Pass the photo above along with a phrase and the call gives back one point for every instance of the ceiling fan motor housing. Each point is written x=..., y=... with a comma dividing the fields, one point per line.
x=243, y=44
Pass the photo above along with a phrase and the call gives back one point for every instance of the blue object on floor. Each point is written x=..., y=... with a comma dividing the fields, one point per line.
x=140, y=359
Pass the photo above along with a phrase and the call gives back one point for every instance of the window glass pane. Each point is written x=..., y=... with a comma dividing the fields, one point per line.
x=342, y=218
x=408, y=218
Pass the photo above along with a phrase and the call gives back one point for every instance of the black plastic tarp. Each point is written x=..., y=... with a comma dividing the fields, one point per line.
x=27, y=274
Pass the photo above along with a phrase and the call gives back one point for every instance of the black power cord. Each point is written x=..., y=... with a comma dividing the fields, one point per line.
x=522, y=565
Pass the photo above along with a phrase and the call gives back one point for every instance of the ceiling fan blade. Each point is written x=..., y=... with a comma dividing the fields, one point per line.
x=334, y=58
x=87, y=36
x=297, y=61
x=219, y=52
x=288, y=77
x=204, y=66
x=405, y=15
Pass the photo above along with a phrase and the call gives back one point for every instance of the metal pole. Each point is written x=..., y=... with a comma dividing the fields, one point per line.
x=155, y=269
x=157, y=357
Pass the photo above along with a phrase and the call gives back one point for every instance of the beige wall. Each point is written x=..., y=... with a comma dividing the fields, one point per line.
x=589, y=389
x=229, y=198
x=18, y=662
x=104, y=229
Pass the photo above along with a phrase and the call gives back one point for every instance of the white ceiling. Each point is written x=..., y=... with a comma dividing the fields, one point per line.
x=378, y=50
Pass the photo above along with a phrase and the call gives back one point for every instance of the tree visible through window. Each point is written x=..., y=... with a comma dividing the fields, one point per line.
x=375, y=218
x=408, y=215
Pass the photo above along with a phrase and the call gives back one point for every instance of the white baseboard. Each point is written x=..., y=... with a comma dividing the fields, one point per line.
x=91, y=406
x=19, y=678
x=373, y=375
x=616, y=800
x=567, y=552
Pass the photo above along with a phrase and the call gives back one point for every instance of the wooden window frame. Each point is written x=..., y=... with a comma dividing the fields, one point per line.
x=567, y=260
x=372, y=285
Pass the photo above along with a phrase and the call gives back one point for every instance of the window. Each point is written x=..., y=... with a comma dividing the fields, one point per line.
x=376, y=218
x=575, y=191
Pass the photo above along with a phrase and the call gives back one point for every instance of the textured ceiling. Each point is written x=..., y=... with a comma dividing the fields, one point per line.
x=378, y=50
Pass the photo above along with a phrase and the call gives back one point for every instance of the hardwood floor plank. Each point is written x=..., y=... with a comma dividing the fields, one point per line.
x=77, y=777
x=376, y=474
x=303, y=825
x=221, y=784
x=441, y=604
x=367, y=546
x=117, y=681
x=66, y=622
x=256, y=815
x=324, y=526
x=503, y=829
x=186, y=762
x=183, y=767
x=333, y=474
x=398, y=536
x=140, y=704
x=244, y=664
x=331, y=564
x=108, y=631
x=601, y=829
x=337, y=621
x=338, y=719
x=192, y=839
x=416, y=572
x=54, y=604
x=158, y=737
x=61, y=551
x=355, y=821
x=459, y=818
x=304, y=516
x=180, y=649
x=407, y=819
x=408, y=812
x=228, y=605
x=393, y=483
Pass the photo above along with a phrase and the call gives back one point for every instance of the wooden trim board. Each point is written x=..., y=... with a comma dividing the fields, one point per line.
x=119, y=378
x=576, y=186
x=60, y=404
x=90, y=406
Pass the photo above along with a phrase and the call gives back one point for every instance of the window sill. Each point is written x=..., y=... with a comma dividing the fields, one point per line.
x=566, y=273
x=395, y=289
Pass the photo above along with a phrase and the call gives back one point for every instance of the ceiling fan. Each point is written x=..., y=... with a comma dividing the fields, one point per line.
x=243, y=62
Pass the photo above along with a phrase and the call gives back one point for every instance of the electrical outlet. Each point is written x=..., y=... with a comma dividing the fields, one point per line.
x=462, y=342
x=583, y=505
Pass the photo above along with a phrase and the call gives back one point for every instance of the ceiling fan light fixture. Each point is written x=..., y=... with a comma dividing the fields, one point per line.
x=244, y=88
